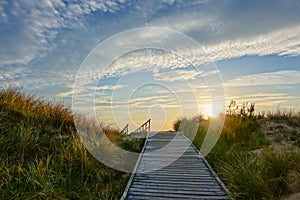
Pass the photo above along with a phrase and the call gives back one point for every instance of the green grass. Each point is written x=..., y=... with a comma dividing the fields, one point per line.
x=290, y=117
x=248, y=175
x=266, y=177
x=41, y=156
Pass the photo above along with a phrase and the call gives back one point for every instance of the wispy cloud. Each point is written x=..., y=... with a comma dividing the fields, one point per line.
x=270, y=78
x=270, y=100
x=225, y=29
x=184, y=23
x=263, y=98
x=284, y=42
x=110, y=87
x=28, y=28
x=175, y=75
x=36, y=24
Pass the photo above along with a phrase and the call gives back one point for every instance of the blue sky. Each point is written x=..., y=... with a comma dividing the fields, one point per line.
x=255, y=45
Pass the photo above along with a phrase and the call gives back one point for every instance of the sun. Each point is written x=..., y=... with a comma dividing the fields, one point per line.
x=208, y=110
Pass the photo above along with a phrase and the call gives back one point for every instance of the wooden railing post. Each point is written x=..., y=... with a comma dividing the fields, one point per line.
x=125, y=130
x=144, y=127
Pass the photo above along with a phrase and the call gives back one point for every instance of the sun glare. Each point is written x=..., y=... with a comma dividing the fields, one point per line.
x=208, y=111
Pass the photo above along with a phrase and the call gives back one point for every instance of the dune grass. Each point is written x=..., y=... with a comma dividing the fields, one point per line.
x=41, y=156
x=249, y=175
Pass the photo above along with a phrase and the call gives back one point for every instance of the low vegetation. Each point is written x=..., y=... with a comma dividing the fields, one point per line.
x=41, y=156
x=257, y=156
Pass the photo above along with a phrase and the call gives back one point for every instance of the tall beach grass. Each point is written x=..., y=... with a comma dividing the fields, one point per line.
x=41, y=156
x=269, y=174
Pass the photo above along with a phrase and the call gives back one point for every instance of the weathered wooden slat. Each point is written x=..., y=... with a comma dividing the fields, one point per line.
x=172, y=176
x=179, y=196
x=160, y=191
x=174, y=172
x=176, y=187
x=182, y=181
x=142, y=197
x=187, y=183
x=180, y=172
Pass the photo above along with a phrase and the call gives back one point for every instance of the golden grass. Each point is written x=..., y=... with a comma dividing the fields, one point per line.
x=41, y=156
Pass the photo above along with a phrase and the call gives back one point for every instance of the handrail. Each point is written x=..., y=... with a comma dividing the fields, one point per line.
x=144, y=127
x=125, y=130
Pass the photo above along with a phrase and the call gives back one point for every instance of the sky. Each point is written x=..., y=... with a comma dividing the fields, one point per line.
x=250, y=50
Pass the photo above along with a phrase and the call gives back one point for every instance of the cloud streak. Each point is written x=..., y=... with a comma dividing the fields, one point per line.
x=28, y=28
x=110, y=87
x=270, y=78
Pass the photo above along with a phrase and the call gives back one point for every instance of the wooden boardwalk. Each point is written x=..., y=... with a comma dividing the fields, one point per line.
x=188, y=177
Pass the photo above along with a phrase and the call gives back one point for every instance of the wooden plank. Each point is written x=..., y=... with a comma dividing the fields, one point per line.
x=187, y=183
x=179, y=196
x=177, y=187
x=174, y=172
x=142, y=197
x=180, y=192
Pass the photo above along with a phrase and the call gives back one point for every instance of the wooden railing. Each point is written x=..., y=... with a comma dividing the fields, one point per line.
x=145, y=127
x=125, y=130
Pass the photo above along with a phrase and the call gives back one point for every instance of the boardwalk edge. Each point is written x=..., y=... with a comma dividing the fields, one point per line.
x=124, y=195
